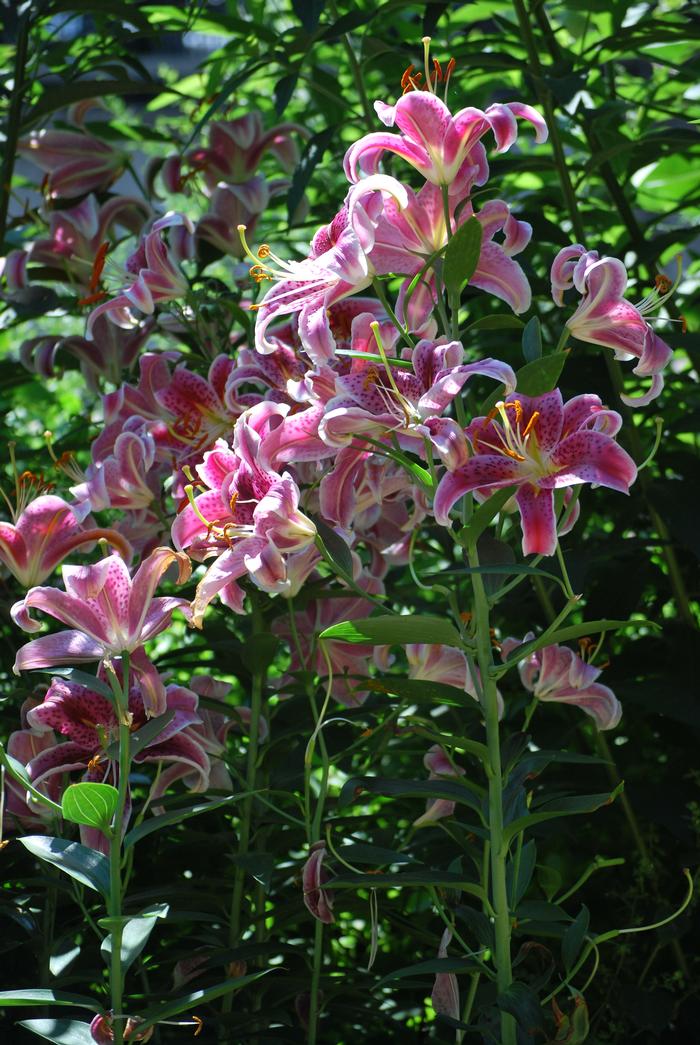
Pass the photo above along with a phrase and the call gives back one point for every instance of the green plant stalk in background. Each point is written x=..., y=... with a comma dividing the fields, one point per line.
x=114, y=906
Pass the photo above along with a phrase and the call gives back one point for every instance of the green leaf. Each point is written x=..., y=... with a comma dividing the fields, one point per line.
x=144, y=736
x=176, y=816
x=90, y=804
x=59, y=96
x=258, y=865
x=188, y=1001
x=522, y=1003
x=20, y=774
x=62, y=1032
x=309, y=160
x=85, y=865
x=403, y=879
x=452, y=790
x=432, y=967
x=532, y=340
x=483, y=516
x=387, y=630
x=135, y=934
x=336, y=548
x=462, y=257
x=525, y=868
x=41, y=996
x=501, y=321
x=308, y=12
x=573, y=938
x=376, y=855
x=560, y=807
x=540, y=375
x=421, y=691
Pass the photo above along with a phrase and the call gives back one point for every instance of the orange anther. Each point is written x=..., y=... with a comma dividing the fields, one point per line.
x=264, y=251
x=531, y=423
x=684, y=325
x=450, y=68
x=200, y=1025
x=371, y=378
x=232, y=502
x=92, y=299
x=438, y=70
x=663, y=283
x=98, y=265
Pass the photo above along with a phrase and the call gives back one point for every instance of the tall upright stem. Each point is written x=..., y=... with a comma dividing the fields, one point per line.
x=116, y=977
x=498, y=851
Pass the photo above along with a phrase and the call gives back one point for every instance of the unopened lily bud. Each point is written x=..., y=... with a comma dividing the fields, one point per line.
x=318, y=900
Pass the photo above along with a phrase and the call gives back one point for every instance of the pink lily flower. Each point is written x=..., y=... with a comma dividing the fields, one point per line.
x=439, y=766
x=248, y=518
x=538, y=445
x=21, y=812
x=124, y=474
x=319, y=901
x=558, y=674
x=102, y=1030
x=234, y=205
x=445, y=994
x=78, y=236
x=445, y=149
x=336, y=267
x=75, y=164
x=604, y=317
x=44, y=533
x=108, y=613
x=89, y=724
x=375, y=400
x=236, y=148
x=406, y=239
x=445, y=664
x=155, y=277
x=112, y=351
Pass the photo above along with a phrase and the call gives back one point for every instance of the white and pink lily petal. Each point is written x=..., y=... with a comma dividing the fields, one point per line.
x=556, y=673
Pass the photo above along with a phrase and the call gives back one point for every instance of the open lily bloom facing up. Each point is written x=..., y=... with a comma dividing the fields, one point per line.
x=538, y=445
x=557, y=673
x=605, y=317
x=108, y=612
x=446, y=149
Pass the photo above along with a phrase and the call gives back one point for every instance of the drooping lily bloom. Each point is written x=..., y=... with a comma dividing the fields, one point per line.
x=44, y=533
x=154, y=277
x=75, y=163
x=79, y=236
x=558, y=674
x=124, y=474
x=319, y=901
x=445, y=664
x=112, y=350
x=605, y=317
x=337, y=266
x=439, y=766
x=237, y=146
x=446, y=149
x=20, y=811
x=102, y=1029
x=406, y=239
x=108, y=613
x=538, y=445
x=445, y=993
x=234, y=205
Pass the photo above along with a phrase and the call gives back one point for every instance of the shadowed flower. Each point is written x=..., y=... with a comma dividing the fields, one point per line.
x=75, y=164
x=538, y=445
x=557, y=673
x=102, y=1029
x=445, y=994
x=108, y=613
x=604, y=317
x=439, y=766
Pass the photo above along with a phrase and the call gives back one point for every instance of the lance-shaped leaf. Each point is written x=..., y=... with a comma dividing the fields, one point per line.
x=164, y=1011
x=61, y=1032
x=41, y=996
x=462, y=257
x=561, y=807
x=433, y=967
x=385, y=630
x=135, y=933
x=452, y=790
x=401, y=879
x=85, y=865
x=176, y=816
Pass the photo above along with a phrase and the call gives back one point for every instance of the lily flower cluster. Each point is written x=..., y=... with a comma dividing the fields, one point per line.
x=345, y=412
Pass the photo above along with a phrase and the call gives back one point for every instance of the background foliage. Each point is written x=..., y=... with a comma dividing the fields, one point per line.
x=618, y=85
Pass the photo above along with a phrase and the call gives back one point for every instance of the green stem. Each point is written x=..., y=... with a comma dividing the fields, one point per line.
x=116, y=890
x=245, y=827
x=498, y=850
x=13, y=120
x=315, y=981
